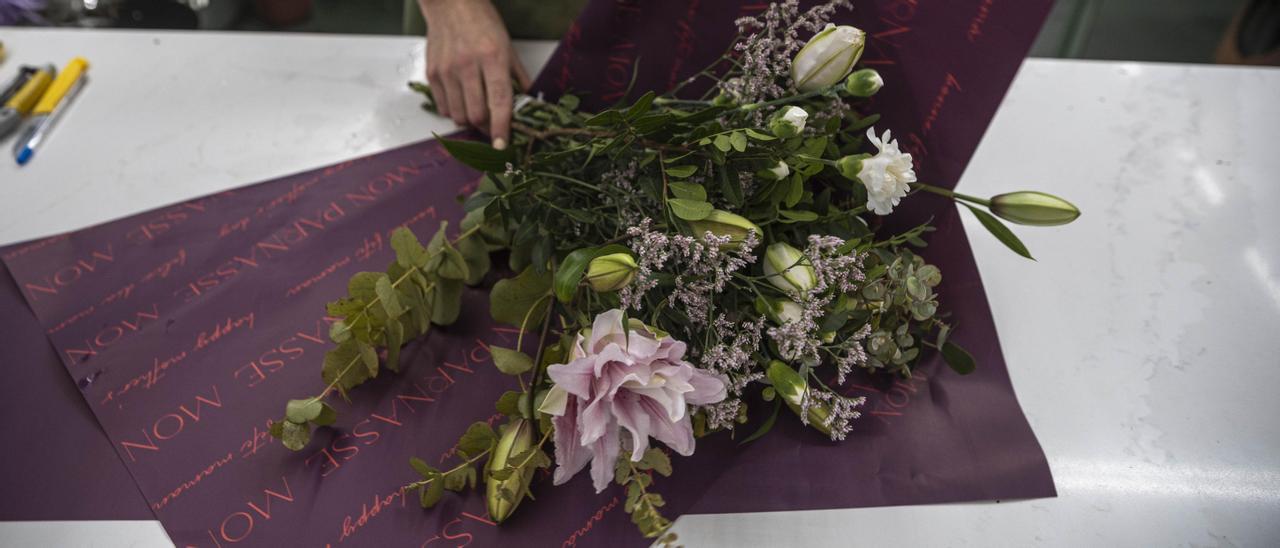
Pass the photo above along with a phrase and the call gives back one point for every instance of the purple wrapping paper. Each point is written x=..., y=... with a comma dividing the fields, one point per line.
x=186, y=328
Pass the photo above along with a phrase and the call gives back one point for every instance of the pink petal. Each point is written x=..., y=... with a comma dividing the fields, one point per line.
x=574, y=377
x=604, y=455
x=707, y=388
x=594, y=421
x=633, y=418
x=570, y=456
x=677, y=435
x=606, y=329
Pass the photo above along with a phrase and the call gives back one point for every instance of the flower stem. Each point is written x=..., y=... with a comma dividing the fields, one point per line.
x=952, y=194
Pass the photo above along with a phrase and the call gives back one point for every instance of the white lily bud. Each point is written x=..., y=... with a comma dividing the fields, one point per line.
x=788, y=269
x=788, y=122
x=780, y=171
x=786, y=310
x=828, y=57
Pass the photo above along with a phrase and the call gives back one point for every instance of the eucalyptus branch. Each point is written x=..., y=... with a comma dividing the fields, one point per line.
x=464, y=464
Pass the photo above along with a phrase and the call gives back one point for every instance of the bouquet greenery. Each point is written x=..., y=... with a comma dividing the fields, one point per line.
x=676, y=260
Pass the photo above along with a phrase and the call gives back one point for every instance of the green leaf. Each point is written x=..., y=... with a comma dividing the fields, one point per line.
x=796, y=191
x=342, y=366
x=798, y=216
x=342, y=308
x=328, y=415
x=339, y=332
x=395, y=339
x=606, y=118
x=514, y=298
x=509, y=403
x=362, y=285
x=511, y=362
x=446, y=301
x=738, y=140
x=388, y=298
x=916, y=289
x=569, y=273
x=723, y=143
x=369, y=356
x=476, y=256
x=301, y=411
x=1000, y=231
x=690, y=210
x=767, y=425
x=432, y=492
x=759, y=136
x=478, y=438
x=422, y=468
x=409, y=251
x=958, y=358
x=657, y=460
x=480, y=156
x=641, y=105
x=294, y=436
x=688, y=191
x=681, y=172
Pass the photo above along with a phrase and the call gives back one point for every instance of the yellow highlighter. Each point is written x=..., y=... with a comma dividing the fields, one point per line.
x=24, y=100
x=49, y=108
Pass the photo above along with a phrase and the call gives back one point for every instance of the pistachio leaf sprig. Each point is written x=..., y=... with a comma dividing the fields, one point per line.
x=385, y=310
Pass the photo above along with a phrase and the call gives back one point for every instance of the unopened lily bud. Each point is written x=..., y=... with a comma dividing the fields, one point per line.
x=828, y=57
x=791, y=387
x=779, y=171
x=850, y=166
x=1028, y=207
x=788, y=122
x=788, y=269
x=785, y=311
x=863, y=83
x=611, y=272
x=516, y=438
x=722, y=223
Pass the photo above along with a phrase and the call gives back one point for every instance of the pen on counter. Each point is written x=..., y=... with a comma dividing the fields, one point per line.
x=50, y=107
x=16, y=84
x=22, y=100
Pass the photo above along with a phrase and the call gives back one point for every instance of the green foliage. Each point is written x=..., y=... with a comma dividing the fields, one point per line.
x=510, y=362
x=385, y=310
x=1000, y=231
x=522, y=300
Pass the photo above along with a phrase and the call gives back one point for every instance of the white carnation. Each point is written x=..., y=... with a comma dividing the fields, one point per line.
x=887, y=175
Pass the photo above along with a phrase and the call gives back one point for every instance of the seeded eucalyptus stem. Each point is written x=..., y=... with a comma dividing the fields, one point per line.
x=465, y=463
x=365, y=311
x=951, y=194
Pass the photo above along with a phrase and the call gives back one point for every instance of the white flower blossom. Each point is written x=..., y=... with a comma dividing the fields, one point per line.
x=887, y=175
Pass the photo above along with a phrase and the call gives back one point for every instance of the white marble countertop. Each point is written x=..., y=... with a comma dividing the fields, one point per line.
x=1144, y=343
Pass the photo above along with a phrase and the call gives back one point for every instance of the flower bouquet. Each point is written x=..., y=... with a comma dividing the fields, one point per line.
x=676, y=261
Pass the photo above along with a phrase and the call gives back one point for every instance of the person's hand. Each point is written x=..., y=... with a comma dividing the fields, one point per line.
x=470, y=63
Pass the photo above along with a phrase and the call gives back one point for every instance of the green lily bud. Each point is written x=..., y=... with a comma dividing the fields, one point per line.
x=863, y=83
x=788, y=122
x=791, y=387
x=516, y=438
x=1028, y=207
x=784, y=310
x=788, y=269
x=722, y=223
x=611, y=272
x=827, y=58
x=850, y=166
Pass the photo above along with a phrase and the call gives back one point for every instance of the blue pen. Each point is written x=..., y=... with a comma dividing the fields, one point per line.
x=50, y=107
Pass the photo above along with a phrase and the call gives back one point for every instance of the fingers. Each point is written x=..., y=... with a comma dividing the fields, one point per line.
x=497, y=84
x=457, y=101
x=473, y=96
x=439, y=90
